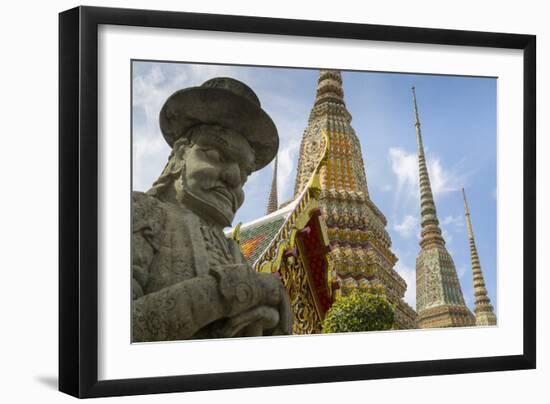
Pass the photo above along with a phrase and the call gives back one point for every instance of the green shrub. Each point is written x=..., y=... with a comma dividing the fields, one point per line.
x=359, y=311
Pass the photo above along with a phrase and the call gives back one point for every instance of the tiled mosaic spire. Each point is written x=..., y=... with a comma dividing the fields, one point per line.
x=329, y=88
x=359, y=241
x=431, y=233
x=483, y=308
x=439, y=299
x=345, y=169
x=272, y=202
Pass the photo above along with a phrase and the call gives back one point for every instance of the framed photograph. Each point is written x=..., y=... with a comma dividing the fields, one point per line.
x=251, y=202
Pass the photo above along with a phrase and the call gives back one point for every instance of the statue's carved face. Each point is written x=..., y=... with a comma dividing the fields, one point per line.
x=217, y=166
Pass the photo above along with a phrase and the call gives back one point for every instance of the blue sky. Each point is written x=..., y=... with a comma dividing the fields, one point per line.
x=458, y=116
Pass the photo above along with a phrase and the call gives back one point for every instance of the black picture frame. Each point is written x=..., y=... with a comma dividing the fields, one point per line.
x=78, y=200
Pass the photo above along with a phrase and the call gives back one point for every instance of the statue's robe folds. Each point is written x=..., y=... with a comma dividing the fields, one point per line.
x=188, y=279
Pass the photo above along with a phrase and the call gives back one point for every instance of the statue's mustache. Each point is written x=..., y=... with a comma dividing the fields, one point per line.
x=231, y=195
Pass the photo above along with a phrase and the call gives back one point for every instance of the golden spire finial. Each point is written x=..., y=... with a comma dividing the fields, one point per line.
x=465, y=202
x=467, y=214
x=417, y=122
x=329, y=87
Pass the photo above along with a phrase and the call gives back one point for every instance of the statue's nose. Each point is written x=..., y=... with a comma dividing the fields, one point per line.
x=231, y=175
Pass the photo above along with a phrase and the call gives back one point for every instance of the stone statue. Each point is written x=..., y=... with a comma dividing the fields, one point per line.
x=189, y=280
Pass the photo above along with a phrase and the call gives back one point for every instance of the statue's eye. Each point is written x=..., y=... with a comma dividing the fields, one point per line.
x=213, y=155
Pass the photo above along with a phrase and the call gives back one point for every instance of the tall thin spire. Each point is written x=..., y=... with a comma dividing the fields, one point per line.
x=439, y=299
x=273, y=202
x=431, y=233
x=483, y=308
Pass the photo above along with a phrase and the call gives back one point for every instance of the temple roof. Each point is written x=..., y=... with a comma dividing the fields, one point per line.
x=255, y=236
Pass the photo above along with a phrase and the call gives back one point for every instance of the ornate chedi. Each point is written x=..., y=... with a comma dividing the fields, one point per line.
x=292, y=243
x=483, y=308
x=439, y=299
x=360, y=245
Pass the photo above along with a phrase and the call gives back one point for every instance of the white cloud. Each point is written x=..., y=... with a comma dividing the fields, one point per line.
x=447, y=236
x=253, y=189
x=409, y=275
x=199, y=73
x=407, y=227
x=151, y=89
x=290, y=116
x=461, y=271
x=457, y=221
x=442, y=181
x=468, y=301
x=405, y=168
x=150, y=153
x=288, y=156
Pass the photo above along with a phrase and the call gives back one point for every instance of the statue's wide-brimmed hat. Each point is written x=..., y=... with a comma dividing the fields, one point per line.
x=225, y=102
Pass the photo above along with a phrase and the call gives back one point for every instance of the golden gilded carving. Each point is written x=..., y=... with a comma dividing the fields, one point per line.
x=294, y=277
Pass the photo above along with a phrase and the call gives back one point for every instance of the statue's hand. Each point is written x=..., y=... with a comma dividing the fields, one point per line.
x=275, y=296
x=274, y=293
x=251, y=323
x=243, y=290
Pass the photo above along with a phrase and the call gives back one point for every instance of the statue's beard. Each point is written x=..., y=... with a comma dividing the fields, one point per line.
x=200, y=205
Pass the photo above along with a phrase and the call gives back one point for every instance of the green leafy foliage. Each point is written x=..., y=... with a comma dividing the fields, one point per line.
x=360, y=310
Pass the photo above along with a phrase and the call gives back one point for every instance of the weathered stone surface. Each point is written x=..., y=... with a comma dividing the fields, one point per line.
x=189, y=280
